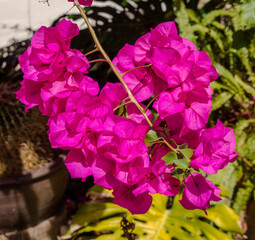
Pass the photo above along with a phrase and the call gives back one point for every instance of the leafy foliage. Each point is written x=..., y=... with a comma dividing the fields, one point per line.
x=225, y=30
x=101, y=220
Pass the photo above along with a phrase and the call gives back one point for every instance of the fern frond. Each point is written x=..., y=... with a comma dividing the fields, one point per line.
x=242, y=196
x=245, y=86
x=243, y=54
x=221, y=99
x=229, y=79
x=216, y=36
x=193, y=16
x=209, y=17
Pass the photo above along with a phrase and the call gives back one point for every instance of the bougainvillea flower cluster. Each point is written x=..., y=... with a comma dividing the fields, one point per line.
x=107, y=135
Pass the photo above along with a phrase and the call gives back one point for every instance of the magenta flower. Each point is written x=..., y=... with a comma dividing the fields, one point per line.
x=173, y=62
x=45, y=59
x=158, y=180
x=51, y=69
x=140, y=81
x=30, y=93
x=215, y=150
x=198, y=192
x=84, y=2
x=83, y=114
x=135, y=114
x=174, y=59
x=77, y=165
x=194, y=105
x=123, y=139
x=136, y=204
x=168, y=105
x=134, y=171
x=176, y=128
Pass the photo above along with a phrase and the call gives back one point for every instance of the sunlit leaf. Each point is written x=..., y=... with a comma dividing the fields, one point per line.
x=159, y=223
x=186, y=152
x=169, y=158
x=182, y=163
x=151, y=136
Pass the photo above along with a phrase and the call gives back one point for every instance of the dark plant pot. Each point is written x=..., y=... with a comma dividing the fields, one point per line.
x=251, y=219
x=28, y=199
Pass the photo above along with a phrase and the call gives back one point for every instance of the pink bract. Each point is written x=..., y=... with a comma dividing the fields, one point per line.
x=198, y=192
x=136, y=204
x=194, y=105
x=171, y=62
x=84, y=2
x=158, y=180
x=84, y=113
x=123, y=138
x=51, y=69
x=215, y=150
x=175, y=127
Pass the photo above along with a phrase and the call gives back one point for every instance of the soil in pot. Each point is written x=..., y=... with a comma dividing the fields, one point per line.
x=33, y=179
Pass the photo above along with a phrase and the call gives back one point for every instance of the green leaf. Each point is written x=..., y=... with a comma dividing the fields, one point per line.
x=169, y=158
x=221, y=99
x=229, y=79
x=245, y=138
x=193, y=16
x=243, y=54
x=122, y=110
x=209, y=17
x=217, y=38
x=159, y=223
x=224, y=217
x=227, y=178
x=244, y=17
x=242, y=197
x=154, y=114
x=151, y=136
x=245, y=86
x=89, y=213
x=224, y=192
x=183, y=163
x=219, y=86
x=186, y=152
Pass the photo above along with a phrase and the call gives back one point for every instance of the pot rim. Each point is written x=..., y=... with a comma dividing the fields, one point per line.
x=35, y=174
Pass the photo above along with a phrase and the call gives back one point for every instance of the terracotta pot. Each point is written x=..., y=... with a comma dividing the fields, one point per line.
x=28, y=199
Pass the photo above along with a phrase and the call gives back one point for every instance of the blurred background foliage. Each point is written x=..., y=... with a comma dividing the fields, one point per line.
x=226, y=31
x=166, y=219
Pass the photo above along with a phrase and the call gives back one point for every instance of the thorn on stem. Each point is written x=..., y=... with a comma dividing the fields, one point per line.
x=70, y=9
x=45, y=1
x=75, y=3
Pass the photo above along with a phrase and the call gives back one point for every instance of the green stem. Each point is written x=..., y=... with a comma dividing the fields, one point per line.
x=114, y=69
x=152, y=100
x=121, y=105
x=97, y=60
x=92, y=51
x=135, y=68
x=165, y=142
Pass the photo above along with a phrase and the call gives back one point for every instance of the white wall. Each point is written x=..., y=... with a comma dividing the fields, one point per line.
x=16, y=16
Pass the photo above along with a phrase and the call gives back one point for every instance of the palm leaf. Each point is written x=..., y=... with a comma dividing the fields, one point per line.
x=159, y=223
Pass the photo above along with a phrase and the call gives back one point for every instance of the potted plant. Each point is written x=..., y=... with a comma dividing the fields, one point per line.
x=31, y=195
